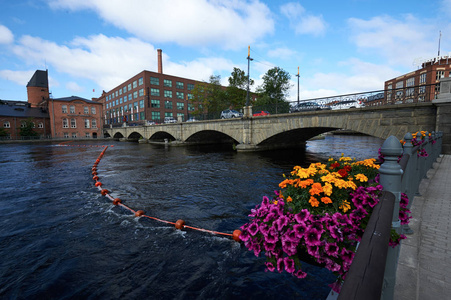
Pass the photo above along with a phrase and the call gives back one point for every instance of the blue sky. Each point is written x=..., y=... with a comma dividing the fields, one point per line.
x=340, y=47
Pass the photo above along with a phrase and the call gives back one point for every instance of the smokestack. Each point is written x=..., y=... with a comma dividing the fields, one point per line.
x=160, y=61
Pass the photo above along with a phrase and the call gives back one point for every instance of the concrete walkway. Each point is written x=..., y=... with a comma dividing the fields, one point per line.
x=424, y=267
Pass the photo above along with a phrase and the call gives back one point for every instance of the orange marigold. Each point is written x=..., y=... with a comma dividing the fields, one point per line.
x=326, y=200
x=313, y=201
x=316, y=189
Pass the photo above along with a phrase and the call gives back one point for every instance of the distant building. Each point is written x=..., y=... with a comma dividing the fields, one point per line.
x=422, y=85
x=148, y=96
x=69, y=117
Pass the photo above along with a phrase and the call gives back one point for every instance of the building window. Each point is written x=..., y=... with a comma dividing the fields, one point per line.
x=423, y=78
x=142, y=116
x=410, y=81
x=439, y=75
x=155, y=92
x=87, y=135
x=168, y=105
x=141, y=103
x=129, y=87
x=156, y=115
x=180, y=95
x=129, y=97
x=167, y=83
x=120, y=100
x=154, y=81
x=190, y=96
x=115, y=93
x=65, y=124
x=180, y=105
x=94, y=123
x=190, y=107
x=7, y=124
x=86, y=123
x=40, y=125
x=168, y=94
x=125, y=89
x=73, y=123
x=422, y=89
x=135, y=95
x=93, y=110
x=64, y=109
x=74, y=135
x=179, y=85
x=120, y=91
x=140, y=81
x=135, y=84
x=85, y=110
x=66, y=135
x=168, y=114
x=155, y=103
x=141, y=92
x=72, y=109
x=190, y=86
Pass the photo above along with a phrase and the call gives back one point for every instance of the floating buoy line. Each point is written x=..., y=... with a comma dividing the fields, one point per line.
x=179, y=224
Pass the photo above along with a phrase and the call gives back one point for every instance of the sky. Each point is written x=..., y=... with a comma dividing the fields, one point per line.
x=340, y=47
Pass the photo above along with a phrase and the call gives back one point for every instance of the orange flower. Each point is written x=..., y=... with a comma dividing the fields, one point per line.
x=313, y=201
x=316, y=189
x=284, y=183
x=326, y=200
x=304, y=183
x=289, y=199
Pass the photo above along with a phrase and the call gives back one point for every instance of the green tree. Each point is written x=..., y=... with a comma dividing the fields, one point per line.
x=274, y=90
x=237, y=89
x=209, y=98
x=27, y=129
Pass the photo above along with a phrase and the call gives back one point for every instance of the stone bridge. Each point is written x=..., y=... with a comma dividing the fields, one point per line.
x=288, y=130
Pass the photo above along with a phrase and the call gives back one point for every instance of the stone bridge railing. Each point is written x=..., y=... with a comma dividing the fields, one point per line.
x=368, y=278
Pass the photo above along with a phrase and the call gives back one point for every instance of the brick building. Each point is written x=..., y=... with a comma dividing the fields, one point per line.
x=422, y=85
x=69, y=117
x=148, y=96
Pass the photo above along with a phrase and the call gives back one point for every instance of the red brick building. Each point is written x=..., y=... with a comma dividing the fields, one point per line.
x=69, y=117
x=422, y=85
x=148, y=96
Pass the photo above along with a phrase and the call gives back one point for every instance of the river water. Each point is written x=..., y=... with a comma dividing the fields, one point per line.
x=61, y=239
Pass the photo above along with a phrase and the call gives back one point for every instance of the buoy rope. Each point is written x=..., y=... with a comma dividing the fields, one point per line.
x=180, y=224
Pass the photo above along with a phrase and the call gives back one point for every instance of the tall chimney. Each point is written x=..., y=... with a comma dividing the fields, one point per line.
x=160, y=62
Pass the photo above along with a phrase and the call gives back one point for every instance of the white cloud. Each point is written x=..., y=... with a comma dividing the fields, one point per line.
x=18, y=77
x=399, y=42
x=6, y=36
x=282, y=53
x=228, y=23
x=303, y=22
x=73, y=86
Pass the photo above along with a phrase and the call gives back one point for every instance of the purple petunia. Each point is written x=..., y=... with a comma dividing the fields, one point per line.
x=253, y=228
x=270, y=267
x=312, y=237
x=289, y=265
x=302, y=216
x=331, y=249
x=299, y=229
x=281, y=222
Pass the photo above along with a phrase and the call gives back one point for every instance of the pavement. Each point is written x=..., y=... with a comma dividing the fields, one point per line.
x=424, y=265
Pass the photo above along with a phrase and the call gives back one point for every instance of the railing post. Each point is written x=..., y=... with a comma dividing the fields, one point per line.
x=390, y=178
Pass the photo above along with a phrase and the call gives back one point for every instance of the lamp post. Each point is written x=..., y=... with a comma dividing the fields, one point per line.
x=298, y=84
x=249, y=59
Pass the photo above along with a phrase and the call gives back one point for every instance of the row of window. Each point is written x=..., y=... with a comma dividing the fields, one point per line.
x=156, y=116
x=153, y=81
x=154, y=104
x=72, y=110
x=7, y=124
x=73, y=123
x=74, y=135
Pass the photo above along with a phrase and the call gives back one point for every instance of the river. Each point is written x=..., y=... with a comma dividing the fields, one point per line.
x=61, y=239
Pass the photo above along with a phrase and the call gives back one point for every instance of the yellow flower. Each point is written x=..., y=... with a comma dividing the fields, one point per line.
x=361, y=177
x=345, y=158
x=327, y=189
x=289, y=199
x=345, y=206
x=313, y=201
x=351, y=185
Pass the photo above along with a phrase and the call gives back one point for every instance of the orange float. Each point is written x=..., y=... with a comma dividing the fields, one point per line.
x=139, y=213
x=116, y=201
x=236, y=235
x=180, y=224
x=98, y=183
x=104, y=192
x=95, y=177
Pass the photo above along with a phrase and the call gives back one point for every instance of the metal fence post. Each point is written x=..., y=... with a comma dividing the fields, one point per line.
x=390, y=178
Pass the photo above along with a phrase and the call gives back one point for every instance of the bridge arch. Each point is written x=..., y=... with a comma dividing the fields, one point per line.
x=160, y=136
x=211, y=137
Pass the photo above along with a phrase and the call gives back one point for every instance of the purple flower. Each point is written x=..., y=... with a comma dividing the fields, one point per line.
x=317, y=225
x=270, y=267
x=289, y=265
x=347, y=256
x=263, y=228
x=270, y=217
x=300, y=229
x=336, y=233
x=357, y=214
x=302, y=216
x=281, y=222
x=312, y=237
x=313, y=251
x=272, y=236
x=280, y=264
x=244, y=236
x=341, y=219
x=253, y=228
x=315, y=218
x=265, y=201
x=300, y=274
x=289, y=247
x=332, y=249
x=269, y=247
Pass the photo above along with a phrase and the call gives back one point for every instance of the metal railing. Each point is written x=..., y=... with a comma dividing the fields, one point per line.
x=368, y=278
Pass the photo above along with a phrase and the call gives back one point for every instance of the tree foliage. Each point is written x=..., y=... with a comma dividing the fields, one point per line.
x=274, y=90
x=237, y=89
x=208, y=97
x=27, y=129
